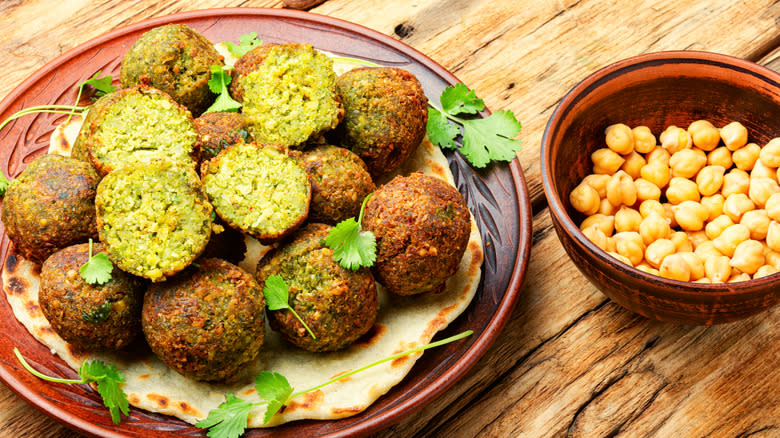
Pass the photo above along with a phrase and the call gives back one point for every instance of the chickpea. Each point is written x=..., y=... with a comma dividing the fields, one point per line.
x=732, y=236
x=687, y=162
x=648, y=269
x=621, y=189
x=706, y=250
x=654, y=227
x=762, y=171
x=675, y=139
x=681, y=241
x=649, y=206
x=606, y=208
x=703, y=280
x=717, y=269
x=773, y=236
x=716, y=226
x=720, y=157
x=748, y=256
x=772, y=257
x=761, y=189
x=644, y=140
x=620, y=138
x=770, y=153
x=633, y=164
x=646, y=190
x=694, y=263
x=627, y=219
x=656, y=172
x=585, y=199
x=657, y=251
x=734, y=135
x=704, y=135
x=598, y=182
x=595, y=235
x=606, y=161
x=690, y=215
x=764, y=271
x=605, y=223
x=669, y=210
x=713, y=204
x=745, y=157
x=736, y=205
x=681, y=189
x=739, y=277
x=658, y=154
x=621, y=258
x=757, y=222
x=772, y=207
x=710, y=179
x=675, y=267
x=697, y=238
x=629, y=244
x=611, y=244
x=735, y=181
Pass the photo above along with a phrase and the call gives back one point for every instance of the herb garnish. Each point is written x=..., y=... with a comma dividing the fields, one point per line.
x=246, y=42
x=97, y=269
x=102, y=87
x=218, y=83
x=106, y=376
x=352, y=247
x=229, y=419
x=277, y=297
x=484, y=139
x=4, y=183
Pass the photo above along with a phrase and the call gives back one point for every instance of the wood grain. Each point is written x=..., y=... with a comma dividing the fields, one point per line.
x=569, y=362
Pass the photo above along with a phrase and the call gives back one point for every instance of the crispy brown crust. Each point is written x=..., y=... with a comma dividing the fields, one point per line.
x=245, y=65
x=216, y=131
x=422, y=227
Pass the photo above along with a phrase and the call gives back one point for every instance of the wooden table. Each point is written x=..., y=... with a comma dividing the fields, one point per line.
x=570, y=361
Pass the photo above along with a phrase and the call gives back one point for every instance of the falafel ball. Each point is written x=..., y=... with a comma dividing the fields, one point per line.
x=260, y=189
x=385, y=113
x=216, y=131
x=137, y=124
x=150, y=232
x=422, y=227
x=339, y=305
x=207, y=322
x=90, y=316
x=50, y=205
x=175, y=59
x=339, y=183
x=289, y=93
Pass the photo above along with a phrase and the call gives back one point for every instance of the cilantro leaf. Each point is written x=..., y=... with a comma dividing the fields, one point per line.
x=352, y=247
x=4, y=183
x=246, y=42
x=274, y=388
x=102, y=85
x=491, y=138
x=108, y=379
x=277, y=297
x=440, y=131
x=218, y=83
x=458, y=99
x=229, y=419
x=97, y=269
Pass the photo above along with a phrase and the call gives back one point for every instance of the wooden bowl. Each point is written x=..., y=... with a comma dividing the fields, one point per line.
x=657, y=90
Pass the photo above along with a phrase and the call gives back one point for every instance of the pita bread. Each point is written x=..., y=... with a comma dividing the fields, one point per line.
x=403, y=323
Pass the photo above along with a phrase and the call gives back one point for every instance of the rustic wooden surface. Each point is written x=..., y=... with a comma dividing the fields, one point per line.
x=569, y=362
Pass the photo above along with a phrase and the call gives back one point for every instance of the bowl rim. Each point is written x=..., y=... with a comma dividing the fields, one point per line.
x=688, y=289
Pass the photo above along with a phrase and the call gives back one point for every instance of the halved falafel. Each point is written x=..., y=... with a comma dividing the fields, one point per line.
x=175, y=59
x=260, y=189
x=338, y=305
x=50, y=205
x=207, y=322
x=422, y=227
x=90, y=317
x=153, y=218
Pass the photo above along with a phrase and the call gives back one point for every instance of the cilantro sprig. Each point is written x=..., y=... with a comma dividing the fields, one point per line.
x=4, y=183
x=229, y=419
x=107, y=377
x=484, y=139
x=352, y=247
x=97, y=269
x=102, y=86
x=220, y=79
x=277, y=297
x=246, y=42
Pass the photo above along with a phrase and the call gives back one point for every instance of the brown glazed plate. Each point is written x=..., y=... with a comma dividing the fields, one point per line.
x=497, y=197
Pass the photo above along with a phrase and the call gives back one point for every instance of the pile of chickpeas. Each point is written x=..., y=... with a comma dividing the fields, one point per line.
x=703, y=205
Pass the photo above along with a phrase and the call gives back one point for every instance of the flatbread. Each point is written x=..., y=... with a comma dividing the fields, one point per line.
x=403, y=323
